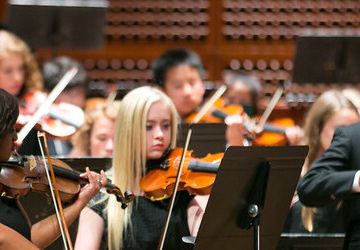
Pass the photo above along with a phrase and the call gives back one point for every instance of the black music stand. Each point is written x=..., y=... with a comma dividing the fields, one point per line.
x=311, y=241
x=330, y=59
x=59, y=24
x=206, y=138
x=249, y=175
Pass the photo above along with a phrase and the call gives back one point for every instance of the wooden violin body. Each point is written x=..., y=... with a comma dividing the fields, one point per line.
x=197, y=177
x=61, y=120
x=219, y=107
x=273, y=133
x=21, y=175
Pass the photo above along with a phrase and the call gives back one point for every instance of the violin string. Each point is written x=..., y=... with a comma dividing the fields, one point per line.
x=53, y=195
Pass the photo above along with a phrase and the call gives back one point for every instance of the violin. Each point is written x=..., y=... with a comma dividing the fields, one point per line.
x=61, y=121
x=274, y=133
x=20, y=175
x=197, y=177
x=218, y=107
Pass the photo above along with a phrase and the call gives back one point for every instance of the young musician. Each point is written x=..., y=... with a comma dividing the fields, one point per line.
x=145, y=131
x=180, y=73
x=19, y=71
x=335, y=177
x=95, y=137
x=245, y=90
x=331, y=110
x=21, y=77
x=15, y=232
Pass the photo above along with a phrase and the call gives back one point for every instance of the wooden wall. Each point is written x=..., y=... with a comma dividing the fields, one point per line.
x=230, y=35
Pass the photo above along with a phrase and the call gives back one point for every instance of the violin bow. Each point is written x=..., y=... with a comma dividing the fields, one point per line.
x=68, y=76
x=204, y=109
x=270, y=107
x=55, y=192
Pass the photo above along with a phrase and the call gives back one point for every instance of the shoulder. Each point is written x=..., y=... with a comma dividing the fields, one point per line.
x=346, y=137
x=350, y=131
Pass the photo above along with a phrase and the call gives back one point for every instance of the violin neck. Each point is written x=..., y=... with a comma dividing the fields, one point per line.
x=67, y=173
x=75, y=176
x=200, y=166
x=272, y=128
x=219, y=114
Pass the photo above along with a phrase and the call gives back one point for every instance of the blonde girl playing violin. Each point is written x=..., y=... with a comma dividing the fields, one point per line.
x=15, y=231
x=145, y=131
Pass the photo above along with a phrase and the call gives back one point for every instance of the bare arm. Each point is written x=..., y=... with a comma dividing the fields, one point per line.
x=47, y=230
x=90, y=230
x=12, y=240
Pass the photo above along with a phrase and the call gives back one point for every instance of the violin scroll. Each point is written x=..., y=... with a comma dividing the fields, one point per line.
x=124, y=199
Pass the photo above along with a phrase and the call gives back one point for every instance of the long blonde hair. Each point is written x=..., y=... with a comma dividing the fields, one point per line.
x=10, y=43
x=129, y=156
x=323, y=108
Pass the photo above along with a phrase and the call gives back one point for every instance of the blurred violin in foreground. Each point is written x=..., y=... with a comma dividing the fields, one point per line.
x=60, y=121
x=197, y=177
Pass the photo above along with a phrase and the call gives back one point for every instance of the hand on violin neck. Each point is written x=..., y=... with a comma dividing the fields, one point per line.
x=235, y=130
x=96, y=182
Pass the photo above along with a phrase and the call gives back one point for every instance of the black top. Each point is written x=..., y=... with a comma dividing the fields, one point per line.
x=30, y=145
x=331, y=177
x=147, y=219
x=327, y=219
x=11, y=216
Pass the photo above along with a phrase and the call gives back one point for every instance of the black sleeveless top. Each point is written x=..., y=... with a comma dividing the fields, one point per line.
x=11, y=216
x=327, y=219
x=148, y=218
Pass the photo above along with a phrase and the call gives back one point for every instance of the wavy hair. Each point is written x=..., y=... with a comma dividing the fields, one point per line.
x=81, y=139
x=10, y=43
